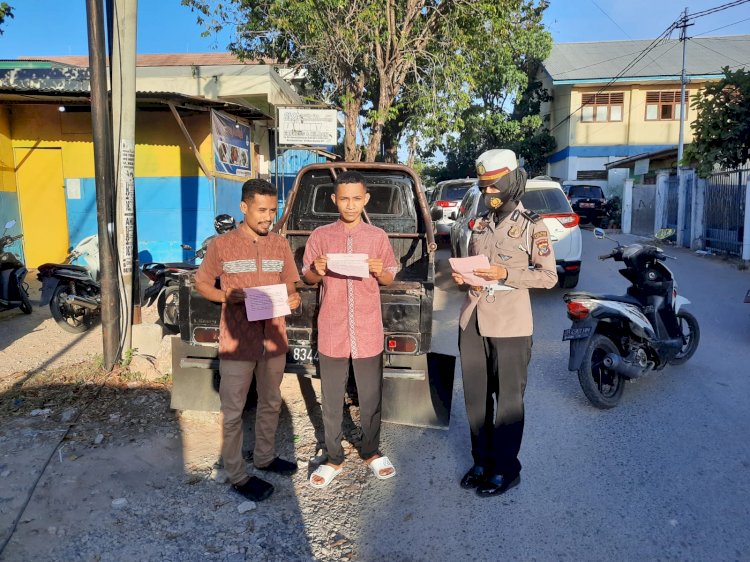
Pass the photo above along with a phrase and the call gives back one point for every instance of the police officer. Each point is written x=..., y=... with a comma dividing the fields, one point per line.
x=496, y=325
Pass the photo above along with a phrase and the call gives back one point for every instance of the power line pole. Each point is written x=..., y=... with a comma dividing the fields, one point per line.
x=683, y=37
x=103, y=161
x=124, y=18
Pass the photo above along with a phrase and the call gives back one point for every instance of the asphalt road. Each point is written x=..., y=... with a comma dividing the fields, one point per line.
x=664, y=476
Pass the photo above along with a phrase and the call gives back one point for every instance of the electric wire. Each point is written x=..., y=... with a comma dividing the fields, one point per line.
x=663, y=36
x=716, y=9
x=723, y=27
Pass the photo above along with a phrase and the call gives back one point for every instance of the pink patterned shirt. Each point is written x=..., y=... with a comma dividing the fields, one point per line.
x=350, y=322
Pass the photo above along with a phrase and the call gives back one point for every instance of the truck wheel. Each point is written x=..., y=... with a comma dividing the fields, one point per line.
x=603, y=387
x=691, y=335
x=569, y=280
x=168, y=307
x=71, y=318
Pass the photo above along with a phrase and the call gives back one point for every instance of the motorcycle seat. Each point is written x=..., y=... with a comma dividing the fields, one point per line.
x=69, y=266
x=616, y=298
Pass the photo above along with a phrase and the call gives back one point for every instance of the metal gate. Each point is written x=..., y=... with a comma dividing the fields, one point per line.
x=724, y=210
x=672, y=207
x=644, y=207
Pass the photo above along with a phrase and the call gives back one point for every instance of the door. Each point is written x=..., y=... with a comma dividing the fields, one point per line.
x=41, y=198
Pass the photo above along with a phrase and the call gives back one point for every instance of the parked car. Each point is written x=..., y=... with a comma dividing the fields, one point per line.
x=544, y=197
x=446, y=198
x=588, y=202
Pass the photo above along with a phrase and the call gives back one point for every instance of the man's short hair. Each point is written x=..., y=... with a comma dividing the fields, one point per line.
x=352, y=176
x=257, y=186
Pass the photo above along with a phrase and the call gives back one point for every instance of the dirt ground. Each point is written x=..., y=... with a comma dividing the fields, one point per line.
x=98, y=467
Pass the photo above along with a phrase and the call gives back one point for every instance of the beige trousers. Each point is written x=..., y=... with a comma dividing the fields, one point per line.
x=236, y=378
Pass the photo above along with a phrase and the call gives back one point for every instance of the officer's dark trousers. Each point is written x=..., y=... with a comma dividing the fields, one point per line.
x=368, y=374
x=494, y=377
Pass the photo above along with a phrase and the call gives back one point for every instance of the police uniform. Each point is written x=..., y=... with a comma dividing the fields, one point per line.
x=495, y=340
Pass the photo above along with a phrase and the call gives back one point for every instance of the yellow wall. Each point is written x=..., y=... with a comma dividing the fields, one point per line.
x=7, y=173
x=161, y=148
x=634, y=129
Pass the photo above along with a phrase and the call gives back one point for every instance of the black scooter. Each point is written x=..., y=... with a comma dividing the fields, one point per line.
x=13, y=290
x=615, y=338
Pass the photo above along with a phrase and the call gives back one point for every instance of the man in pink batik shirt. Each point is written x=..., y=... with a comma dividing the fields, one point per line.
x=350, y=325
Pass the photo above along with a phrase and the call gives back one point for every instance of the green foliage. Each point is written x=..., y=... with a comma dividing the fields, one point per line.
x=393, y=66
x=6, y=12
x=721, y=132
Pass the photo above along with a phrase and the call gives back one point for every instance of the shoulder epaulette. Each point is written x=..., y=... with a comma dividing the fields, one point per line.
x=531, y=216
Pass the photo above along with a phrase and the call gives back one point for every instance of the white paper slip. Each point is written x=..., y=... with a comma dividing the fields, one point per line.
x=267, y=301
x=465, y=268
x=349, y=265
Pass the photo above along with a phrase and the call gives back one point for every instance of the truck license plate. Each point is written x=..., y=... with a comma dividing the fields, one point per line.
x=301, y=354
x=576, y=333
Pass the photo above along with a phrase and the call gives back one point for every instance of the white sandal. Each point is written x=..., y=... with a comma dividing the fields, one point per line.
x=327, y=473
x=381, y=463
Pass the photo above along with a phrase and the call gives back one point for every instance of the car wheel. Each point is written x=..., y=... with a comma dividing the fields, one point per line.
x=569, y=280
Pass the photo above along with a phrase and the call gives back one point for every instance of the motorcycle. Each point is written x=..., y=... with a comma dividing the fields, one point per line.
x=14, y=292
x=73, y=291
x=614, y=338
x=165, y=277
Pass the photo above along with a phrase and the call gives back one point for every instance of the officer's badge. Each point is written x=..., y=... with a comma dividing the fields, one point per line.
x=495, y=203
x=481, y=169
x=543, y=246
x=515, y=231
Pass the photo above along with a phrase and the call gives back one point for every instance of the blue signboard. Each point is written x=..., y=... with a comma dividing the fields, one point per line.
x=231, y=140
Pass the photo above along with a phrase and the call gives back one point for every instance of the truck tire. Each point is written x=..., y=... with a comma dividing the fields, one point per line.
x=601, y=386
x=569, y=280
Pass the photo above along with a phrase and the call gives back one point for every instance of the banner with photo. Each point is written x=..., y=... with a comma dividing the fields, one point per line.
x=231, y=141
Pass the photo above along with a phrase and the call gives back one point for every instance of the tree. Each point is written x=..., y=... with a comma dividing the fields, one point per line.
x=721, y=132
x=6, y=12
x=404, y=63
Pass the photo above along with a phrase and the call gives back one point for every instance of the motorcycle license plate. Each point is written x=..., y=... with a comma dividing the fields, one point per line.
x=301, y=355
x=587, y=205
x=576, y=333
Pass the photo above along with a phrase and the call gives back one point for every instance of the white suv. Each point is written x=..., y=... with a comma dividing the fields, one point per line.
x=545, y=197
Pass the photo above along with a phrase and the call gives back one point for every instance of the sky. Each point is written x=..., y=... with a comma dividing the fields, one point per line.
x=54, y=27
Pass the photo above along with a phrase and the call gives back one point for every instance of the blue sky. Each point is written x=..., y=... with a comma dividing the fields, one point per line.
x=55, y=27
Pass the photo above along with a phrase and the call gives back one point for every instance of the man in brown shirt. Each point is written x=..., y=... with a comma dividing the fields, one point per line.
x=496, y=324
x=250, y=256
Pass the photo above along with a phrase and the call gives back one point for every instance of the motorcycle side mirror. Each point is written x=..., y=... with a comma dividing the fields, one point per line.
x=186, y=247
x=10, y=224
x=200, y=253
x=599, y=233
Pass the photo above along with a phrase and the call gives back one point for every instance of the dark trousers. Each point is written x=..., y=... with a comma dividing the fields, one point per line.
x=494, y=377
x=368, y=374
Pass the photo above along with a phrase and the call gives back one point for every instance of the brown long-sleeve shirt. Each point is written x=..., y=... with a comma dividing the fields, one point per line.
x=524, y=248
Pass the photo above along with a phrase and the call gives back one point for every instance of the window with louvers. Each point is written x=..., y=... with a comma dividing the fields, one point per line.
x=601, y=108
x=664, y=106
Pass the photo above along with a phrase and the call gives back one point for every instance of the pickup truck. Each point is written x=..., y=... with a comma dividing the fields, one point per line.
x=417, y=384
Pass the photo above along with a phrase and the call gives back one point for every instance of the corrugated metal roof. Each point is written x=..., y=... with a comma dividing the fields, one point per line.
x=168, y=59
x=604, y=60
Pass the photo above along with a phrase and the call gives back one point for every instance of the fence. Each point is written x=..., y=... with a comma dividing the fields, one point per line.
x=724, y=210
x=644, y=207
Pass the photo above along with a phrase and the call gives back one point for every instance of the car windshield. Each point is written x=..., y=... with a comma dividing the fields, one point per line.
x=592, y=191
x=545, y=201
x=455, y=192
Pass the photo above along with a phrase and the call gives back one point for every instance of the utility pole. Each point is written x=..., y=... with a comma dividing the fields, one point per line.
x=682, y=189
x=124, y=17
x=683, y=37
x=102, y=135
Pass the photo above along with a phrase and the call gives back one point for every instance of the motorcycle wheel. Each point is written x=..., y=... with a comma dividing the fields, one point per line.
x=691, y=335
x=603, y=387
x=71, y=318
x=168, y=307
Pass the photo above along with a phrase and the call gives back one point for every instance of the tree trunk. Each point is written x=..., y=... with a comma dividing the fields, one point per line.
x=352, y=106
x=412, y=151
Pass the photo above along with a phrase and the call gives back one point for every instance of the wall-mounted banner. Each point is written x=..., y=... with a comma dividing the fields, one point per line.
x=231, y=145
x=307, y=126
